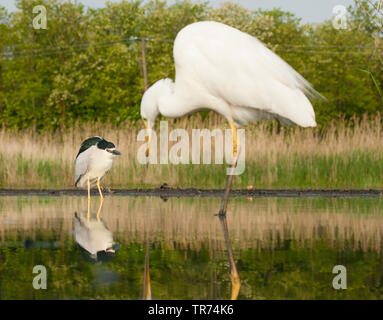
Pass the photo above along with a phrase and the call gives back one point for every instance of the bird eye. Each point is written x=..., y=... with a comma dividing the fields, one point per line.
x=107, y=150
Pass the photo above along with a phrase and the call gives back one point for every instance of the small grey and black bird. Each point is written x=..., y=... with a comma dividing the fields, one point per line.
x=93, y=161
x=94, y=238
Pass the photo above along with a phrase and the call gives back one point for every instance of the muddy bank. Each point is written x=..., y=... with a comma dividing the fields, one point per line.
x=170, y=192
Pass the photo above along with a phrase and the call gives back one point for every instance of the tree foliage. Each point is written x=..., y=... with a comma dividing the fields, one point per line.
x=87, y=65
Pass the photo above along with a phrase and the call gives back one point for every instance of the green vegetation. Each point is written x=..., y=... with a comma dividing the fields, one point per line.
x=287, y=272
x=283, y=248
x=338, y=157
x=83, y=76
x=87, y=65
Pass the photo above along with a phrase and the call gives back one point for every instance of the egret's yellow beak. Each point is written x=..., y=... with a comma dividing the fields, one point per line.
x=147, y=153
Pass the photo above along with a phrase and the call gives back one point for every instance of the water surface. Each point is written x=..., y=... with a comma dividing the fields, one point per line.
x=282, y=248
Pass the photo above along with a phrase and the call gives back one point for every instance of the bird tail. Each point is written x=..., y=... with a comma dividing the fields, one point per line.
x=307, y=88
x=293, y=105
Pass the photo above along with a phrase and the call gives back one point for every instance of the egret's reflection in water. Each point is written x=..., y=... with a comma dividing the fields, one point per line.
x=234, y=275
x=282, y=248
x=94, y=238
x=147, y=288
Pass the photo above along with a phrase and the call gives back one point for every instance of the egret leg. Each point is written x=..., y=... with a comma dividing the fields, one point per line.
x=234, y=275
x=222, y=211
x=147, y=138
x=235, y=140
x=147, y=288
x=88, y=215
x=99, y=189
x=147, y=152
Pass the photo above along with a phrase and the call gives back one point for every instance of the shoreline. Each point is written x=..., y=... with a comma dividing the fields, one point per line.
x=190, y=192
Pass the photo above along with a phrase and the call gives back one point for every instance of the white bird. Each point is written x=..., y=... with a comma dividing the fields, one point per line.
x=94, y=237
x=234, y=74
x=93, y=161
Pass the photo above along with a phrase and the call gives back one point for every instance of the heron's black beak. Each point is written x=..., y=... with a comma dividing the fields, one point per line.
x=117, y=153
x=116, y=246
x=113, y=248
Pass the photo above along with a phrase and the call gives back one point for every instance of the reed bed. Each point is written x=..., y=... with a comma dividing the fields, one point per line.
x=190, y=223
x=337, y=156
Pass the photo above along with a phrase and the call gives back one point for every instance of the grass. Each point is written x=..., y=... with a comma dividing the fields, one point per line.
x=336, y=157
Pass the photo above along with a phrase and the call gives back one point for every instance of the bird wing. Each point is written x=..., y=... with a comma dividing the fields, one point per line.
x=241, y=70
x=82, y=236
x=81, y=164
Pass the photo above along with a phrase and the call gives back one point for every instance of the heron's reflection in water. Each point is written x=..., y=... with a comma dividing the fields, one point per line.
x=234, y=275
x=93, y=237
x=147, y=289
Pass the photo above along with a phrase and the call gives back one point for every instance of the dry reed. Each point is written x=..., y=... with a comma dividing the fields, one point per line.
x=339, y=156
x=260, y=223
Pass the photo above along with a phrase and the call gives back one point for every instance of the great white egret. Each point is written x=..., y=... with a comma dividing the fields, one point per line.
x=234, y=74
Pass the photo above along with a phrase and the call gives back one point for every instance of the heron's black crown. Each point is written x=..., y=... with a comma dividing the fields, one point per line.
x=101, y=143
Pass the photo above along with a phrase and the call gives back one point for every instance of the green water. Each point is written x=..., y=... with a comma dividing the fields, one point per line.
x=282, y=248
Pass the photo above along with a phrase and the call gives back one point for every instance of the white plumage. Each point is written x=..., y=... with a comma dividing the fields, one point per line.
x=93, y=161
x=228, y=71
x=234, y=74
x=93, y=236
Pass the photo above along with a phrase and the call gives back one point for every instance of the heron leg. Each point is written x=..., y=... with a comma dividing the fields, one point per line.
x=99, y=210
x=234, y=275
x=88, y=215
x=222, y=211
x=99, y=189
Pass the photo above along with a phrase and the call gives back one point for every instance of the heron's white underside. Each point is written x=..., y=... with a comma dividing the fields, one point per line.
x=93, y=163
x=228, y=71
x=92, y=234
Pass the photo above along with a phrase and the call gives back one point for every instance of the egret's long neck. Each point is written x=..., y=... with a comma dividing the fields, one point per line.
x=173, y=103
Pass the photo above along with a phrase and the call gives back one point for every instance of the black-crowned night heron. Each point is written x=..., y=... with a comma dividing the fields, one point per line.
x=93, y=161
x=94, y=238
